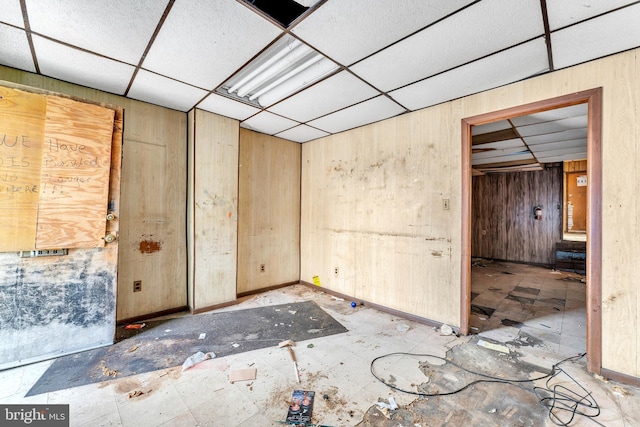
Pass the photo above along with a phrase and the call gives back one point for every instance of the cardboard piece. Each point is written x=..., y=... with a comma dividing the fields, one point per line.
x=242, y=375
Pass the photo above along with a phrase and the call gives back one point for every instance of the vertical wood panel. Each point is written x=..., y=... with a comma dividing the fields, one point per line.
x=268, y=212
x=503, y=226
x=215, y=209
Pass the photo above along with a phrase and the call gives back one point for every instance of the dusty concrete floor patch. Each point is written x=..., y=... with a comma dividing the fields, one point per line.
x=483, y=403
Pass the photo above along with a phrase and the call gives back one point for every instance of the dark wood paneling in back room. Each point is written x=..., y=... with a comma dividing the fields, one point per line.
x=503, y=225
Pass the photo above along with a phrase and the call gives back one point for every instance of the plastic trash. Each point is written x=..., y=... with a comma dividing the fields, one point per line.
x=446, y=330
x=196, y=358
x=402, y=327
x=391, y=405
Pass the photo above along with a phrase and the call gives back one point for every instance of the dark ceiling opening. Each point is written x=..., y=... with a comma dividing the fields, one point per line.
x=283, y=11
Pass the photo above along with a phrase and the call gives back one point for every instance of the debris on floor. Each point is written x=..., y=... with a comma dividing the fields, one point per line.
x=108, y=372
x=403, y=327
x=248, y=374
x=135, y=393
x=391, y=405
x=135, y=326
x=446, y=329
x=492, y=346
x=196, y=358
x=288, y=344
x=300, y=408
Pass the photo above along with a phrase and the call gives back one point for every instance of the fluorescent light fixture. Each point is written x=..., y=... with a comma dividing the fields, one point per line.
x=285, y=68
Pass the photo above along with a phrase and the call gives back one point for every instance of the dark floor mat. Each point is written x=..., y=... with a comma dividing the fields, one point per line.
x=166, y=344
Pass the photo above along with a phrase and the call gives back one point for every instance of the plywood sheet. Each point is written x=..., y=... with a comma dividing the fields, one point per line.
x=21, y=131
x=75, y=174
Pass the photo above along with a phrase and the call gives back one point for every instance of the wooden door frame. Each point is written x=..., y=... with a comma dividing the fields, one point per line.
x=593, y=98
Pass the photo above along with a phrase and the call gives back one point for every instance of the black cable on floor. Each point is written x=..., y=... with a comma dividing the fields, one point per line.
x=555, y=398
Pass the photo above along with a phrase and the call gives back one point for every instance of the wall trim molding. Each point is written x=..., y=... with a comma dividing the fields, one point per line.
x=379, y=307
x=619, y=377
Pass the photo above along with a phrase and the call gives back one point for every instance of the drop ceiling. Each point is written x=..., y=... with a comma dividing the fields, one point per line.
x=391, y=57
x=530, y=142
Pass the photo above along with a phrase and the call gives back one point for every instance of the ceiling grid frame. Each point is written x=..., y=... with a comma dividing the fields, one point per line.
x=147, y=78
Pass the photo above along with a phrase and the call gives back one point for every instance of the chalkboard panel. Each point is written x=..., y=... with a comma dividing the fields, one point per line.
x=56, y=156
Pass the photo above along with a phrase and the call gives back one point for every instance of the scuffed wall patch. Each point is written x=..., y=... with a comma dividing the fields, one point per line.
x=57, y=305
x=148, y=246
x=77, y=292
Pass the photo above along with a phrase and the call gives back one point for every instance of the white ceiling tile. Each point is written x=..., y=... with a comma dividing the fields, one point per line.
x=564, y=157
x=11, y=13
x=453, y=42
x=552, y=115
x=268, y=123
x=370, y=111
x=566, y=12
x=349, y=30
x=203, y=42
x=116, y=29
x=302, y=133
x=227, y=107
x=176, y=95
x=551, y=146
x=490, y=127
x=500, y=159
x=545, y=154
x=499, y=152
x=555, y=126
x=15, y=49
x=502, y=68
x=507, y=143
x=614, y=32
x=329, y=95
x=79, y=67
x=557, y=136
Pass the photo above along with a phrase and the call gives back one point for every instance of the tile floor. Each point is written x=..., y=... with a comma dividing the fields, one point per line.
x=338, y=366
x=525, y=303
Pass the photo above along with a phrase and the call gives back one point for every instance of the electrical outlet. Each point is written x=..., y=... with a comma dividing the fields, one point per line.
x=335, y=270
x=261, y=268
x=137, y=285
x=445, y=204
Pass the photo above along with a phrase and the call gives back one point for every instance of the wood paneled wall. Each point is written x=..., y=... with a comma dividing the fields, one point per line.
x=372, y=203
x=213, y=209
x=269, y=212
x=502, y=222
x=152, y=235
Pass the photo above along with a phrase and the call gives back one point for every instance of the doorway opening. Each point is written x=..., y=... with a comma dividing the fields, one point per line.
x=592, y=99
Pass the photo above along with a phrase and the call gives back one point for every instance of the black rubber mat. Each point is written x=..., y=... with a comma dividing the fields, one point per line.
x=165, y=344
